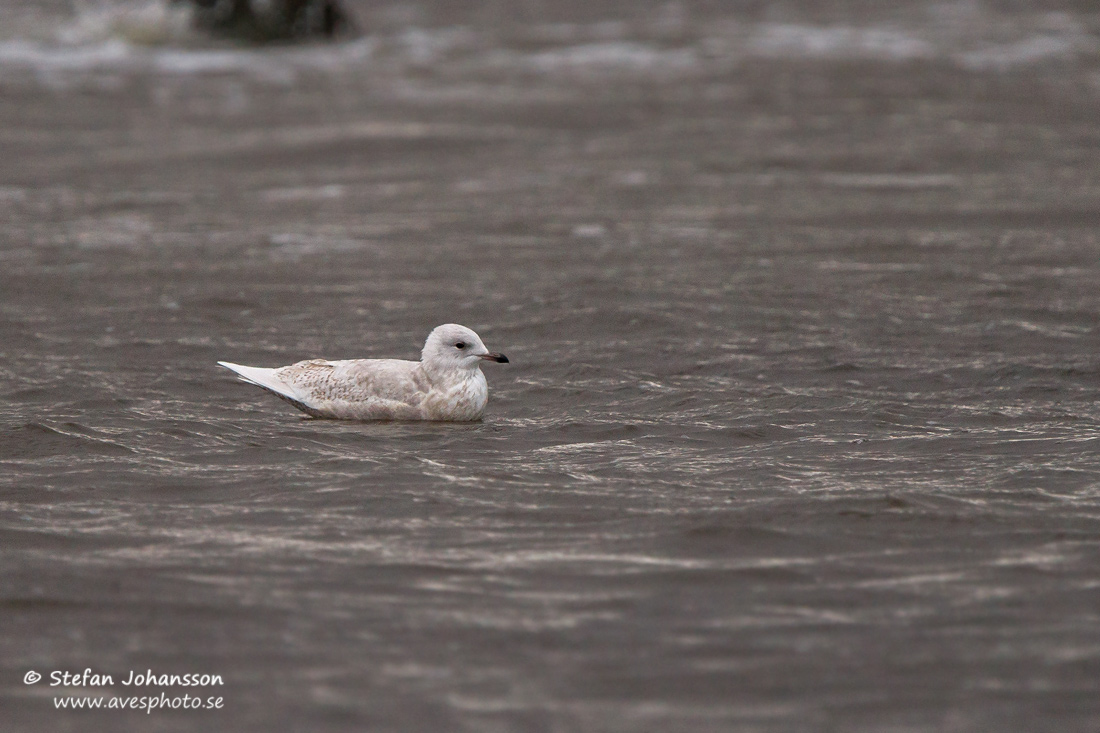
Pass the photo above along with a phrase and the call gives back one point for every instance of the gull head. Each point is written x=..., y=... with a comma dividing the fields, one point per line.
x=452, y=346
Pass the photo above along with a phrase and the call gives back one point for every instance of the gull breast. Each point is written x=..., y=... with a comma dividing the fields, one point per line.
x=462, y=398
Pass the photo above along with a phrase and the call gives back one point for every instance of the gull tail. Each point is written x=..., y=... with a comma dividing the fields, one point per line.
x=265, y=378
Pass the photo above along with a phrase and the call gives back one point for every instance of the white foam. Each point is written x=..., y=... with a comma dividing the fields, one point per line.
x=37, y=55
x=613, y=55
x=807, y=41
x=1025, y=52
x=202, y=62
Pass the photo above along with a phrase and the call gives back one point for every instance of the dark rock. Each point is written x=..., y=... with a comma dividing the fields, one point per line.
x=272, y=21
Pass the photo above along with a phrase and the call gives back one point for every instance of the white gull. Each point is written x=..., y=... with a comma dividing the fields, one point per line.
x=446, y=384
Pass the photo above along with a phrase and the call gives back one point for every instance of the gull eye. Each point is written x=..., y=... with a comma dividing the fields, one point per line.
x=460, y=345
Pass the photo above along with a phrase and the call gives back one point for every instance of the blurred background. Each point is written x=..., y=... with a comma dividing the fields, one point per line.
x=799, y=430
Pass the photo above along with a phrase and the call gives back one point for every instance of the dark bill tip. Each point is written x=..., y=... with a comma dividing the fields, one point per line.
x=495, y=356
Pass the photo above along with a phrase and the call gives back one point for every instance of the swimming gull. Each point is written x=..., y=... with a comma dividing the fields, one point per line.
x=446, y=384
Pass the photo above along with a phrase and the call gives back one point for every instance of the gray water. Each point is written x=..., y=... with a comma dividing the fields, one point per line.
x=801, y=422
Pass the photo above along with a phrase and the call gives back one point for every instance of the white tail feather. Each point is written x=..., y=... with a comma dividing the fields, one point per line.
x=261, y=377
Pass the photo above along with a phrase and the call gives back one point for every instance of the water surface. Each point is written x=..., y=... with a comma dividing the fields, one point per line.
x=800, y=430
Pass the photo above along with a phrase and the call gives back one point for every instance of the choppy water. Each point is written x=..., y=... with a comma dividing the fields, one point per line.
x=800, y=430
